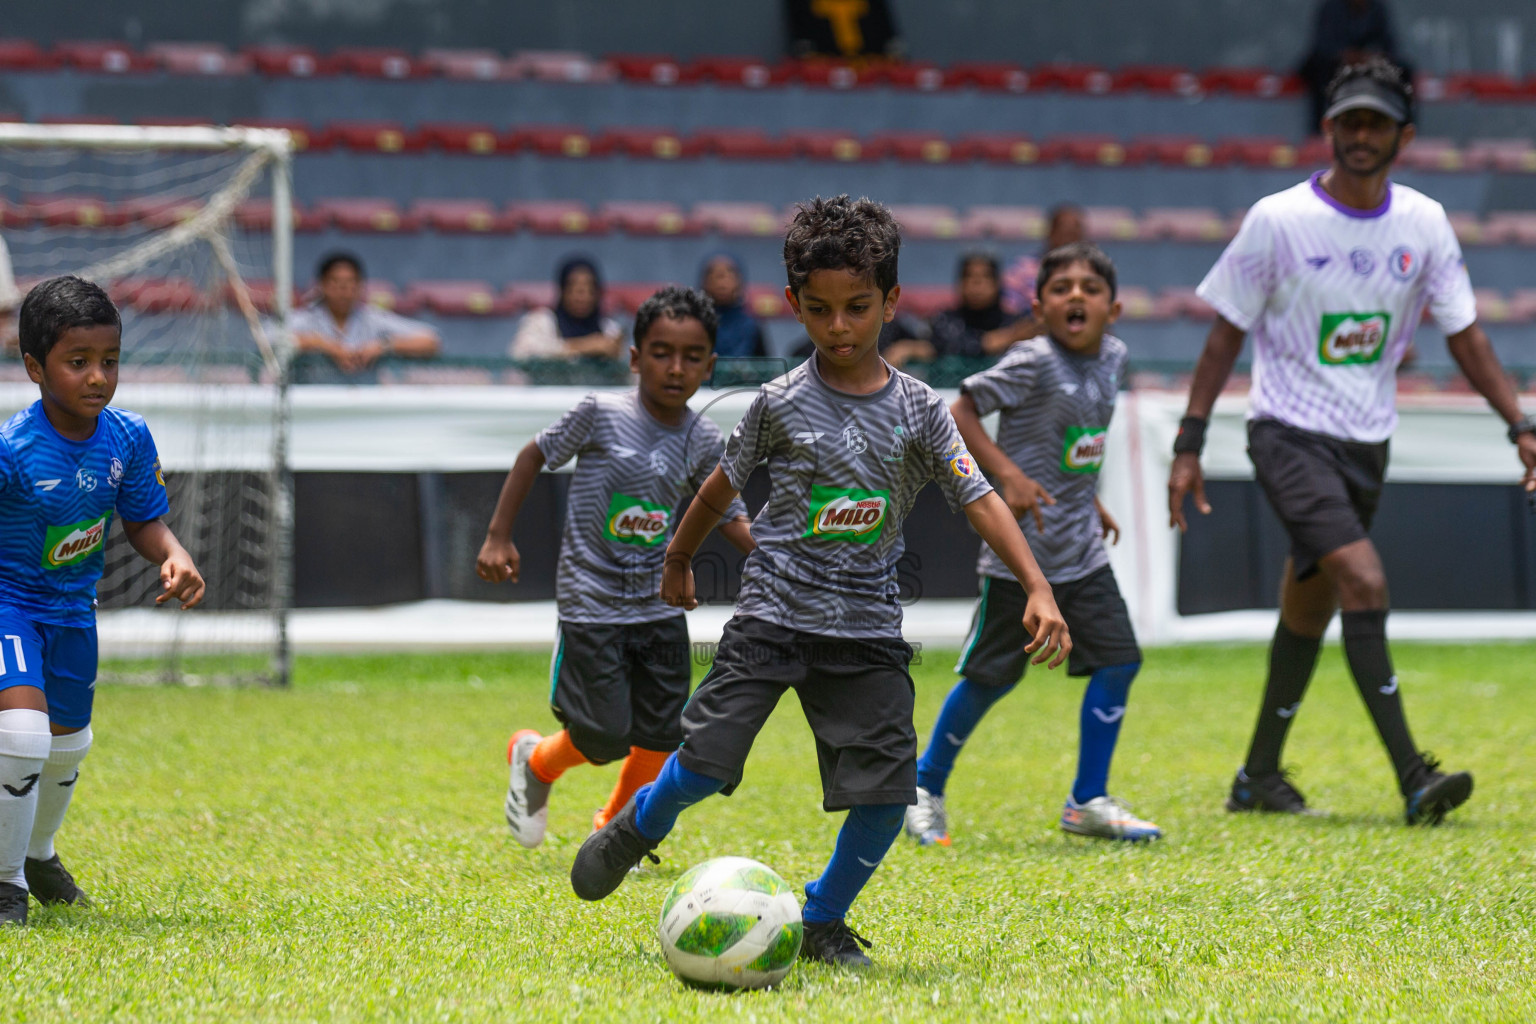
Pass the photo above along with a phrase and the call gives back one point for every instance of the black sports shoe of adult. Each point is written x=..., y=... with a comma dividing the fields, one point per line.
x=836, y=944
x=13, y=904
x=1272, y=793
x=1434, y=794
x=608, y=854
x=51, y=882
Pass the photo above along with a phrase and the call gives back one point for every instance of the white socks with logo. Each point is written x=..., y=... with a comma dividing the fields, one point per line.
x=55, y=787
x=24, y=747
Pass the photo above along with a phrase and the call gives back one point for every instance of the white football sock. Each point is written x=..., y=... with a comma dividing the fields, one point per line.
x=24, y=744
x=55, y=787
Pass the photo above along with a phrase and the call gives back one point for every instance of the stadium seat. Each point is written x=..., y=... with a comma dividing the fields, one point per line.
x=157, y=295
x=1514, y=227
x=1485, y=87
x=378, y=62
x=74, y=211
x=1491, y=307
x=649, y=218
x=1522, y=305
x=386, y=296
x=1514, y=156
x=834, y=74
x=1085, y=150
x=745, y=218
x=998, y=149
x=989, y=76
x=647, y=143
x=1111, y=223
x=559, y=140
x=1469, y=230
x=371, y=215
x=1072, y=78
x=14, y=215
x=375, y=136
x=556, y=217
x=263, y=295
x=920, y=76
x=926, y=220
x=452, y=137
x=103, y=56
x=1137, y=303
x=1433, y=154
x=523, y=295
x=305, y=137
x=1314, y=153
x=1170, y=151
x=1157, y=79
x=826, y=145
x=460, y=298
x=926, y=300
x=1259, y=82
x=159, y=212
x=1183, y=302
x=256, y=215
x=741, y=144
x=462, y=216
x=767, y=301
x=1183, y=224
x=913, y=147
x=25, y=55
x=290, y=61
x=199, y=59
x=1265, y=151
x=652, y=69
x=560, y=66
x=1005, y=223
x=627, y=297
x=466, y=65
x=749, y=72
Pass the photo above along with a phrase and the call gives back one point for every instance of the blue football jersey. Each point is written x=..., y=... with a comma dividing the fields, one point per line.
x=57, y=498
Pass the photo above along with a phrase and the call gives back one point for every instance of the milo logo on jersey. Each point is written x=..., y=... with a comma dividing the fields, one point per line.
x=1352, y=339
x=632, y=521
x=67, y=545
x=841, y=513
x=1083, y=450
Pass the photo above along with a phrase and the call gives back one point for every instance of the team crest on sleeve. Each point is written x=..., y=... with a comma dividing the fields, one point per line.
x=1403, y=263
x=960, y=461
x=159, y=476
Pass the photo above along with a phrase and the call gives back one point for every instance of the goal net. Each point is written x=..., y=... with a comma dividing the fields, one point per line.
x=189, y=230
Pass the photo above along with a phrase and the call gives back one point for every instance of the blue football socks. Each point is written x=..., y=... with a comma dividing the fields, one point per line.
x=1103, y=710
x=866, y=835
x=658, y=804
x=963, y=709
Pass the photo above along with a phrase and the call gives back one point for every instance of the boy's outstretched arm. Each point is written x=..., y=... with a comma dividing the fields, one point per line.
x=706, y=509
x=498, y=560
x=178, y=576
x=1021, y=493
x=1042, y=619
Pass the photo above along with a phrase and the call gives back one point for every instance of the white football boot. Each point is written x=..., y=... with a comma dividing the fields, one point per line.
x=1106, y=817
x=527, y=797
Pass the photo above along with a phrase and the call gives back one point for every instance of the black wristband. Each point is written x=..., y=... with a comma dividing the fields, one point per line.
x=1191, y=436
x=1524, y=425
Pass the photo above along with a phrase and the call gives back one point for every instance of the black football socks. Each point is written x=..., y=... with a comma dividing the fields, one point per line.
x=1365, y=647
x=1291, y=661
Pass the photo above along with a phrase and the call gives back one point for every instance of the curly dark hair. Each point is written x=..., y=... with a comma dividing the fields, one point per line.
x=56, y=305
x=1381, y=71
x=857, y=235
x=1064, y=256
x=676, y=303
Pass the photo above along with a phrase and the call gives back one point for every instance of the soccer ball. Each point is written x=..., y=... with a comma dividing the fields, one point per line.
x=731, y=923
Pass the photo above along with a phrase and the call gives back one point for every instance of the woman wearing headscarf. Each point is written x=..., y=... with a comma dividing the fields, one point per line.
x=740, y=334
x=977, y=326
x=575, y=326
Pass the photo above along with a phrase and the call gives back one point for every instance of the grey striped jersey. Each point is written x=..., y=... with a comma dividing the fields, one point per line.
x=1054, y=408
x=631, y=472
x=843, y=472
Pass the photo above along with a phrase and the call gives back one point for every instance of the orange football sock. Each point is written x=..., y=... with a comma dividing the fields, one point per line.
x=553, y=756
x=640, y=767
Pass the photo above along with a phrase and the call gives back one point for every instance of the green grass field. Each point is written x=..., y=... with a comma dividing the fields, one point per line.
x=336, y=852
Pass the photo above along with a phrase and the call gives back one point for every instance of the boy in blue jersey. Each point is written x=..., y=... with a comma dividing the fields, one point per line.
x=67, y=464
x=1055, y=395
x=848, y=442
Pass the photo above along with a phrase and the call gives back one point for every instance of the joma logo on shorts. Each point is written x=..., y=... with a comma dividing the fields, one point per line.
x=633, y=521
x=851, y=515
x=1350, y=339
x=66, y=545
x=1083, y=450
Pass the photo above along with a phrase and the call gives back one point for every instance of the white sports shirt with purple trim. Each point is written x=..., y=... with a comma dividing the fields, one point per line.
x=1331, y=296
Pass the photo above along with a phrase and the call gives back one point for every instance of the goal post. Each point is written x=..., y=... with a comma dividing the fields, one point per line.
x=190, y=230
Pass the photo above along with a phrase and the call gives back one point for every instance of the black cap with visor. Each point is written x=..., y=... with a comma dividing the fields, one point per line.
x=1369, y=94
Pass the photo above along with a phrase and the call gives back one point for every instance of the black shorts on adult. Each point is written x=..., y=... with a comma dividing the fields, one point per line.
x=1096, y=617
x=856, y=695
x=616, y=686
x=1324, y=489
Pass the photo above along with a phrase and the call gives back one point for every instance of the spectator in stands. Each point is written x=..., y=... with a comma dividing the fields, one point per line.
x=1066, y=225
x=1346, y=32
x=352, y=332
x=978, y=326
x=740, y=335
x=576, y=326
x=10, y=298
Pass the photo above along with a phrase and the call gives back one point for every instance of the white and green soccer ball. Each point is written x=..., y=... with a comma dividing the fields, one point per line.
x=731, y=923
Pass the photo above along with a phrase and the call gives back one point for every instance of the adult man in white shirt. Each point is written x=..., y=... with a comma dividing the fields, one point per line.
x=1331, y=277
x=351, y=331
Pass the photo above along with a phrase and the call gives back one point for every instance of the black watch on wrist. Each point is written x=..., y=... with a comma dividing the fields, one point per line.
x=1524, y=425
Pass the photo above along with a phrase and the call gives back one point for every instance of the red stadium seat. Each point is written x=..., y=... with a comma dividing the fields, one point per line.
x=741, y=144
x=749, y=72
x=1486, y=87
x=387, y=296
x=922, y=77
x=1513, y=156
x=1005, y=223
x=1469, y=230
x=460, y=298
x=826, y=145
x=833, y=74
x=628, y=297
x=926, y=300
x=767, y=301
x=1086, y=150
x=1072, y=78
x=158, y=212
x=1183, y=224
x=199, y=59
x=1516, y=227
x=648, y=143
x=372, y=215
x=103, y=56
x=256, y=215
x=1183, y=302
x=998, y=149
x=263, y=295
x=561, y=66
x=1111, y=223
x=1263, y=151
x=14, y=215
x=1522, y=306
x=1314, y=153
x=530, y=294
x=462, y=216
x=926, y=221
x=477, y=139
x=1431, y=154
x=1156, y=78
x=25, y=55
x=74, y=211
x=913, y=147
x=1491, y=307
x=745, y=218
x=306, y=138
x=649, y=218
x=378, y=62
x=468, y=65
x=992, y=77
x=375, y=136
x=157, y=295
x=1170, y=151
x=559, y=140
x=1137, y=303
x=290, y=61
x=556, y=217
x=1249, y=82
x=652, y=69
